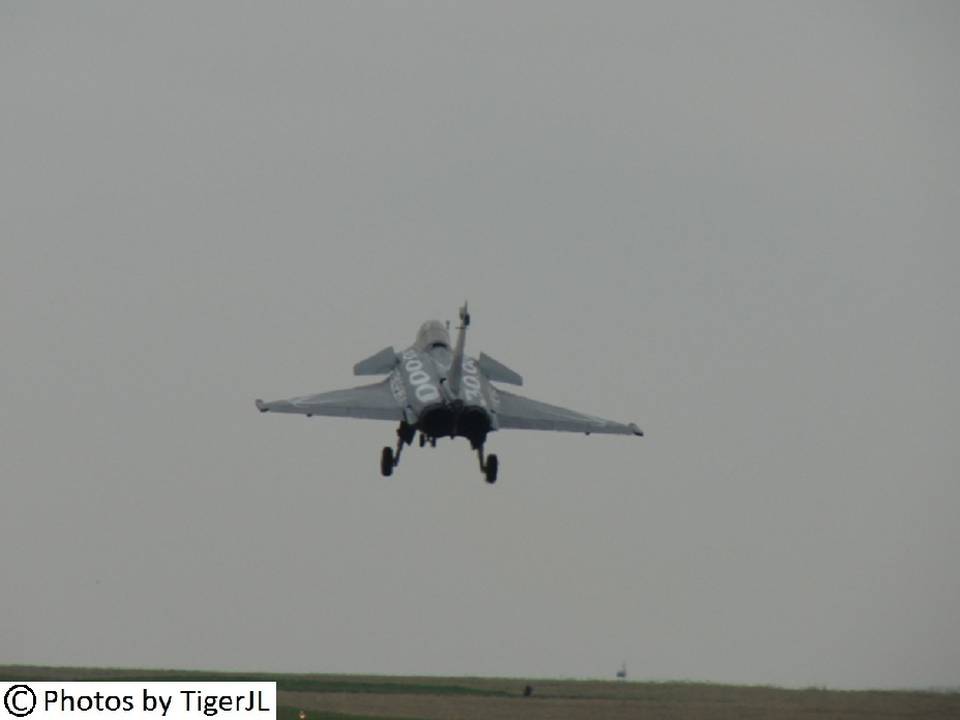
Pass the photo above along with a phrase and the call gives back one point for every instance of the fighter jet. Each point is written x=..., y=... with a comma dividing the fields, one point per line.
x=439, y=391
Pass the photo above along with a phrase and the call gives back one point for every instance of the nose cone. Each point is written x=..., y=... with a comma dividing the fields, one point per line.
x=431, y=334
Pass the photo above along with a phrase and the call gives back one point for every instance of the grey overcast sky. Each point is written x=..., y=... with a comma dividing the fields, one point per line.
x=733, y=223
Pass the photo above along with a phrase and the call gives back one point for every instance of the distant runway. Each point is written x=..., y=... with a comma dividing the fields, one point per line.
x=588, y=700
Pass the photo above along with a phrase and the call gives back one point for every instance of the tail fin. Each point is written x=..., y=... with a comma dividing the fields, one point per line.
x=456, y=368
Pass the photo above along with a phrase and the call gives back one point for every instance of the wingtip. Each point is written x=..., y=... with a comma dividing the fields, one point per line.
x=261, y=405
x=636, y=431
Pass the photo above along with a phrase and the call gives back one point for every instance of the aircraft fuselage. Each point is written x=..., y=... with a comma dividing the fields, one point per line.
x=421, y=384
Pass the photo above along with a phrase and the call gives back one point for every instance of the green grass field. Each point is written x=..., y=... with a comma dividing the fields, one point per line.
x=358, y=697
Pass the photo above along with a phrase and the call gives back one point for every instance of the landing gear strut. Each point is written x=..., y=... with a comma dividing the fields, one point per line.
x=424, y=439
x=390, y=459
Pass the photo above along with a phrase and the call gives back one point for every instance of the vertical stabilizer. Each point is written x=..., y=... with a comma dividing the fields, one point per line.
x=456, y=367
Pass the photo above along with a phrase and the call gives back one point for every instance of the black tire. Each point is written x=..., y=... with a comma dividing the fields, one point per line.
x=491, y=468
x=423, y=439
x=386, y=462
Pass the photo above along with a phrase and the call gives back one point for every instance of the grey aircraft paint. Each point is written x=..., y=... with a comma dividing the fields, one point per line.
x=443, y=392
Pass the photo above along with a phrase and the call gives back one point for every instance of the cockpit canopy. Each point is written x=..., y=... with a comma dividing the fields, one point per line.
x=431, y=334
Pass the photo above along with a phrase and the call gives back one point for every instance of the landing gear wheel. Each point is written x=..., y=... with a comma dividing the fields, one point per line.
x=386, y=462
x=423, y=439
x=490, y=469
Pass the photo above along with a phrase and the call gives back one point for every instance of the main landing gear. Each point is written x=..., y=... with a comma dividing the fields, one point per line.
x=390, y=458
x=388, y=462
x=490, y=466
